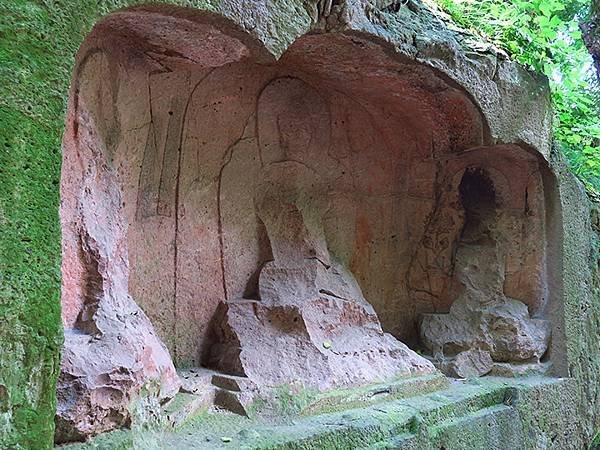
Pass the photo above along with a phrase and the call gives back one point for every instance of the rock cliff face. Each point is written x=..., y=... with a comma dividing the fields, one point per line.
x=273, y=189
x=264, y=214
x=111, y=349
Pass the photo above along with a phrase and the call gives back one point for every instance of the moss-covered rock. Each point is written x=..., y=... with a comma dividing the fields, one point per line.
x=38, y=42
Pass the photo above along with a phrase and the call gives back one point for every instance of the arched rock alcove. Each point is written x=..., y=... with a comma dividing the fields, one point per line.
x=254, y=214
x=495, y=271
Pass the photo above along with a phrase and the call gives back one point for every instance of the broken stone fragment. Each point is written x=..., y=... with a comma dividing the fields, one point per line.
x=197, y=381
x=279, y=340
x=101, y=375
x=468, y=364
x=504, y=330
x=236, y=402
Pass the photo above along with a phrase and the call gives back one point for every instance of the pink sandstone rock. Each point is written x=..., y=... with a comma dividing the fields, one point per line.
x=189, y=179
x=468, y=364
x=212, y=185
x=312, y=324
x=483, y=316
x=111, y=350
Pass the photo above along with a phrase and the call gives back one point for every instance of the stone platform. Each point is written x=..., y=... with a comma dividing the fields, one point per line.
x=484, y=413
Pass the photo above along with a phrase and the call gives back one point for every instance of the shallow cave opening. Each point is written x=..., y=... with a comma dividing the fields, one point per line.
x=189, y=157
x=499, y=273
x=192, y=133
x=478, y=198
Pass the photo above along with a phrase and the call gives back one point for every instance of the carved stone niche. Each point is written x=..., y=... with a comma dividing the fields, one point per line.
x=490, y=294
x=286, y=221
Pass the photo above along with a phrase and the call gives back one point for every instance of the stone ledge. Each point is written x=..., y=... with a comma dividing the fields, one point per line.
x=472, y=413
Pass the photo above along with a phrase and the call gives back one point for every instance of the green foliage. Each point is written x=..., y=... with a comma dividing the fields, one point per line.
x=596, y=441
x=37, y=44
x=544, y=35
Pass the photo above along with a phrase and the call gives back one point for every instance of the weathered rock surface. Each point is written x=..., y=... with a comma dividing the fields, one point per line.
x=190, y=173
x=312, y=324
x=111, y=350
x=327, y=342
x=483, y=317
x=254, y=196
x=467, y=364
x=432, y=278
x=101, y=376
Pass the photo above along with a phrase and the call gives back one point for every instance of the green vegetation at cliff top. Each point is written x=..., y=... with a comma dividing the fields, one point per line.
x=544, y=35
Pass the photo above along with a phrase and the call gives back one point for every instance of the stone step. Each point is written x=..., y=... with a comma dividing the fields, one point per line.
x=404, y=441
x=232, y=383
x=496, y=426
x=401, y=423
x=342, y=399
x=185, y=406
x=197, y=393
x=470, y=414
x=194, y=380
x=234, y=393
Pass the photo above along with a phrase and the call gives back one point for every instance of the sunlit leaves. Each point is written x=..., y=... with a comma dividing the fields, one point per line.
x=544, y=35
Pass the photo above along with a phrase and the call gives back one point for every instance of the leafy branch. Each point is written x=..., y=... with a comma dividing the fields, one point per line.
x=544, y=36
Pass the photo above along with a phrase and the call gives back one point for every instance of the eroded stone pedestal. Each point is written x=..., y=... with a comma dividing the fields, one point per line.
x=311, y=324
x=483, y=317
x=321, y=340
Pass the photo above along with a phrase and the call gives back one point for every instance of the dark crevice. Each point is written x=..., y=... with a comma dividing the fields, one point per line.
x=251, y=290
x=478, y=198
x=93, y=286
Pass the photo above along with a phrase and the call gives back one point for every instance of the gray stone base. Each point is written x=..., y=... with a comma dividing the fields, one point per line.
x=486, y=413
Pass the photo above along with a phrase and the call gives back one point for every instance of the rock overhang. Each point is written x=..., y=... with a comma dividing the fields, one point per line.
x=514, y=102
x=358, y=62
x=411, y=109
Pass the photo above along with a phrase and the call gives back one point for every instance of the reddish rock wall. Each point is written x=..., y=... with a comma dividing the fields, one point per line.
x=274, y=219
x=190, y=131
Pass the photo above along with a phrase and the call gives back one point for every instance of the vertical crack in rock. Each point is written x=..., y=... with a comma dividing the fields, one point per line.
x=436, y=251
x=93, y=285
x=148, y=186
x=228, y=157
x=176, y=201
x=171, y=158
x=158, y=177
